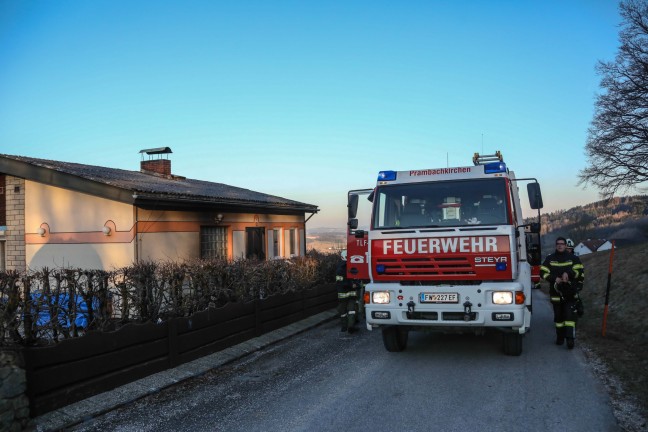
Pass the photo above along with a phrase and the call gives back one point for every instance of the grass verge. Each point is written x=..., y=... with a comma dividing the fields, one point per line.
x=620, y=358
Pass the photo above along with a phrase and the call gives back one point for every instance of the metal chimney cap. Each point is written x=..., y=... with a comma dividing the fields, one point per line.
x=158, y=150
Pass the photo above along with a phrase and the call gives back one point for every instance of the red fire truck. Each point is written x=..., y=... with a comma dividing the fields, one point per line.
x=446, y=249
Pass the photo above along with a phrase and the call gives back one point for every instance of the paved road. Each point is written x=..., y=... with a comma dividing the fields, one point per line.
x=323, y=380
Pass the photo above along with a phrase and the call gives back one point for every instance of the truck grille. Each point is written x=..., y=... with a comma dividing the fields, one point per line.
x=413, y=268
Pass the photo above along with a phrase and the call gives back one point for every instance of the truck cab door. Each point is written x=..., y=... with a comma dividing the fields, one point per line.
x=359, y=213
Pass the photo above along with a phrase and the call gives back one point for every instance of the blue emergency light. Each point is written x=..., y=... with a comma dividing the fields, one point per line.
x=386, y=175
x=380, y=268
x=495, y=167
x=500, y=266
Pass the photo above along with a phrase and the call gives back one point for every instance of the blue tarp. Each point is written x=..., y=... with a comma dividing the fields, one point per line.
x=61, y=304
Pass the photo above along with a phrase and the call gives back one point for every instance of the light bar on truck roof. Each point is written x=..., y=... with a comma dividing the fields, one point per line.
x=495, y=167
x=386, y=175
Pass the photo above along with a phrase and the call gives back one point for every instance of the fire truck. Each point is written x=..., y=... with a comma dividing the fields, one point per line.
x=446, y=249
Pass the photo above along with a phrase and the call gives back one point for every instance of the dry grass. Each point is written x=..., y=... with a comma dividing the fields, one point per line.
x=623, y=351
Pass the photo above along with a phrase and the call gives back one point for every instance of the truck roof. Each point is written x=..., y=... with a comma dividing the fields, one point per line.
x=495, y=169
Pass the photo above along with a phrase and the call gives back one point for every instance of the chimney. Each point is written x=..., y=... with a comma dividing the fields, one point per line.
x=155, y=164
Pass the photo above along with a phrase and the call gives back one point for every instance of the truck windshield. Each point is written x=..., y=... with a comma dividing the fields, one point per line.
x=448, y=203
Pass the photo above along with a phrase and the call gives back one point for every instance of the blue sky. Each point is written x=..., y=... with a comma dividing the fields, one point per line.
x=306, y=100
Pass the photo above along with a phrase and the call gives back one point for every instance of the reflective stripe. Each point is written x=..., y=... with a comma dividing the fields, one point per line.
x=351, y=312
x=561, y=264
x=339, y=278
x=343, y=316
x=560, y=325
x=555, y=299
x=570, y=324
x=347, y=295
x=578, y=266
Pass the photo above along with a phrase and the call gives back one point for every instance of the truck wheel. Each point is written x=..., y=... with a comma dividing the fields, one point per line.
x=512, y=344
x=395, y=338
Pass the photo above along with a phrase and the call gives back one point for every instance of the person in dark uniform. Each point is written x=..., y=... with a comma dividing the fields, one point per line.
x=570, y=246
x=565, y=274
x=347, y=296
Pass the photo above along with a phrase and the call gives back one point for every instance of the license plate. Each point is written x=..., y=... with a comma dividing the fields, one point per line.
x=439, y=298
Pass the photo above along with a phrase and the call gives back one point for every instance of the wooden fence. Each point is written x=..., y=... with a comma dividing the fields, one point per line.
x=79, y=368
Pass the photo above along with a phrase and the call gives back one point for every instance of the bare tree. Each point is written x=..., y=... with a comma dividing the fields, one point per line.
x=617, y=143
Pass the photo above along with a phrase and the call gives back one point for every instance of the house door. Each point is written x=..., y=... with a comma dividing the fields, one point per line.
x=255, y=243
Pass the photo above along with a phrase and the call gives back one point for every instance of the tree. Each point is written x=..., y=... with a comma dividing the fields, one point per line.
x=617, y=142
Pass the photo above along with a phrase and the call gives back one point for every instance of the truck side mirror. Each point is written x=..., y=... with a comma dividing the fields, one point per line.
x=352, y=207
x=353, y=224
x=535, y=196
x=534, y=227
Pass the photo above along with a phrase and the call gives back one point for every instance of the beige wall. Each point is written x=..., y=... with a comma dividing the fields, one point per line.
x=68, y=211
x=89, y=256
x=159, y=229
x=73, y=224
x=174, y=246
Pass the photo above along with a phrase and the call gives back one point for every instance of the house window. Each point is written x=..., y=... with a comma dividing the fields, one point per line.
x=213, y=242
x=276, y=246
x=293, y=242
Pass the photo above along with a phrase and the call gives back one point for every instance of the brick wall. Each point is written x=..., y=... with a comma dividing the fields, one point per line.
x=15, y=234
x=159, y=166
x=3, y=208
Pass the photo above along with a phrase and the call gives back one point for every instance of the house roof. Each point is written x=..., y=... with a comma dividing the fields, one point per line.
x=144, y=189
x=593, y=245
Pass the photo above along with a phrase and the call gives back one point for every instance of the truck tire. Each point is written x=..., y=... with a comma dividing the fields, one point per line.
x=512, y=344
x=395, y=338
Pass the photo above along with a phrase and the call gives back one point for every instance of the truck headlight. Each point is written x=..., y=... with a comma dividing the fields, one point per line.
x=502, y=297
x=380, y=297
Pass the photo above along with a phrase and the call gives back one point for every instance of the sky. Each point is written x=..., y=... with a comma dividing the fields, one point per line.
x=307, y=99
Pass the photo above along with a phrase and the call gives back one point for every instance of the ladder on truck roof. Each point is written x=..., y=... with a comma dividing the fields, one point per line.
x=483, y=159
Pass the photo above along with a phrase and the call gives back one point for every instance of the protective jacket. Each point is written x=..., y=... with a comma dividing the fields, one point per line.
x=554, y=266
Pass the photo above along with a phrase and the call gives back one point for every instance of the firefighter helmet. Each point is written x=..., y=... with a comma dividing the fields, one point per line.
x=570, y=243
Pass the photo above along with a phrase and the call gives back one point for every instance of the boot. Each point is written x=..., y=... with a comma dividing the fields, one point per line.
x=560, y=336
x=351, y=322
x=570, y=343
x=344, y=324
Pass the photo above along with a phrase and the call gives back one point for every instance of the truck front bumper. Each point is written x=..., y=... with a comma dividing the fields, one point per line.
x=458, y=306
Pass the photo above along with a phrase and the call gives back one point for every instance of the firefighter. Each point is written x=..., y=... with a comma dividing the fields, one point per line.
x=579, y=284
x=565, y=274
x=347, y=296
x=570, y=246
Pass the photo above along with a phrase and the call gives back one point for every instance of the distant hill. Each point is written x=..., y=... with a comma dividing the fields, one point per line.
x=623, y=219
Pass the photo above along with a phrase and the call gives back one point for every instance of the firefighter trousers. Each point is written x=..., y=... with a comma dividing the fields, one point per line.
x=565, y=317
x=347, y=308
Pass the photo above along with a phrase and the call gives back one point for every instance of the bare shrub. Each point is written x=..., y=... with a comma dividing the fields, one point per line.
x=49, y=305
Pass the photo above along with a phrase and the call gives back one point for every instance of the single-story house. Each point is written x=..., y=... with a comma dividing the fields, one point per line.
x=62, y=214
x=591, y=246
